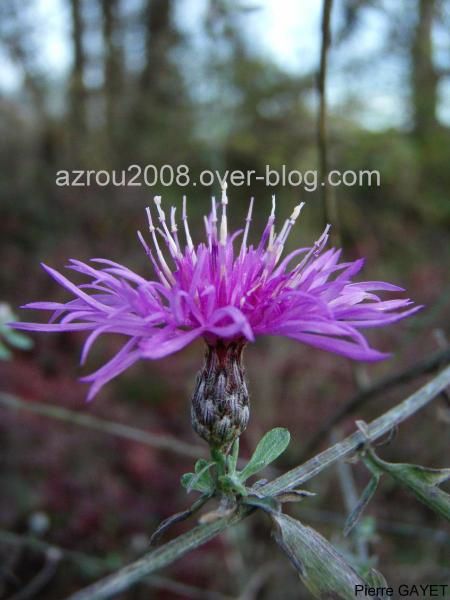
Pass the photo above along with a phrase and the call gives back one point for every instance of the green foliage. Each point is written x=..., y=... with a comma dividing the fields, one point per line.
x=364, y=500
x=178, y=517
x=322, y=569
x=268, y=449
x=227, y=479
x=201, y=480
x=421, y=481
x=376, y=579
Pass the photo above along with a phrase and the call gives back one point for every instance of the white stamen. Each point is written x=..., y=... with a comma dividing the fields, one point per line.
x=278, y=243
x=274, y=202
x=149, y=254
x=161, y=213
x=214, y=219
x=223, y=223
x=173, y=223
x=144, y=243
x=296, y=212
x=322, y=240
x=247, y=226
x=190, y=245
x=290, y=223
x=162, y=262
x=162, y=219
x=151, y=227
x=315, y=250
x=174, y=228
x=207, y=223
x=272, y=238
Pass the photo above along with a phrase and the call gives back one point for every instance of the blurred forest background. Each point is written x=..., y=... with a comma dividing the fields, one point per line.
x=214, y=84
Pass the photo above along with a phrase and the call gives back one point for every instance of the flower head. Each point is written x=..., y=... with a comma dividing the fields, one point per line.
x=223, y=290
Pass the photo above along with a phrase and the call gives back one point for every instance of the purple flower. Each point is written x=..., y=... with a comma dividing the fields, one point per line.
x=223, y=290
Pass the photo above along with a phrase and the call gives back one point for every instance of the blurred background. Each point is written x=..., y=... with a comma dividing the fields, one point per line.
x=213, y=84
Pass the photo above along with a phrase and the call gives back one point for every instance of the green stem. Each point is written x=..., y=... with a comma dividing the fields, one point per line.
x=153, y=561
x=233, y=457
x=125, y=578
x=220, y=461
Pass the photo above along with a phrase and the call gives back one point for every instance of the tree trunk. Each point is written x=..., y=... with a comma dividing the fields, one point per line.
x=112, y=67
x=424, y=78
x=159, y=38
x=77, y=91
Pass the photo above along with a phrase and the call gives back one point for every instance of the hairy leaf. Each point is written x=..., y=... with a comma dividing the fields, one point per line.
x=421, y=481
x=233, y=457
x=364, y=500
x=376, y=579
x=322, y=569
x=201, y=481
x=177, y=518
x=269, y=448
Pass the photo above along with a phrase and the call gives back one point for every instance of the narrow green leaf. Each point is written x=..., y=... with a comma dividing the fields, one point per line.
x=201, y=480
x=178, y=517
x=376, y=579
x=186, y=479
x=233, y=457
x=322, y=569
x=431, y=477
x=421, y=481
x=364, y=500
x=269, y=448
x=201, y=465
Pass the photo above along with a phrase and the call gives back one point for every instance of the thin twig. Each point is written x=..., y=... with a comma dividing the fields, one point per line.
x=161, y=442
x=83, y=560
x=328, y=197
x=350, y=496
x=159, y=558
x=43, y=577
x=163, y=556
x=101, y=566
x=442, y=342
x=377, y=429
x=257, y=581
x=423, y=367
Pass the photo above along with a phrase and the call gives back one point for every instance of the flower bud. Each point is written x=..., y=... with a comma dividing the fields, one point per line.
x=220, y=403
